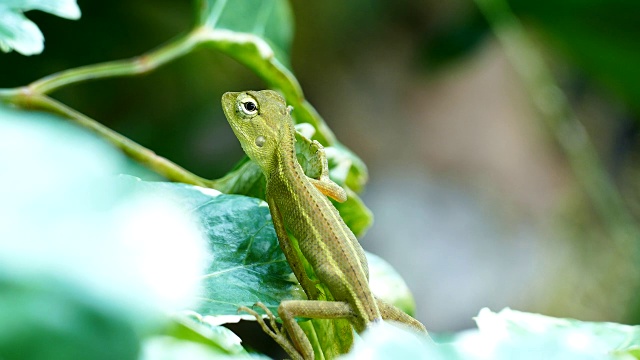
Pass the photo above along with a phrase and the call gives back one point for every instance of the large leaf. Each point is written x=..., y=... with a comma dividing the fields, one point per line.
x=19, y=33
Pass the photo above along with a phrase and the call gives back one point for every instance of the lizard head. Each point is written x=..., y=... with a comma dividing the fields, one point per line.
x=258, y=119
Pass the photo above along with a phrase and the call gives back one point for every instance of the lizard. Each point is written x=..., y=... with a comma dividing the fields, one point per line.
x=262, y=122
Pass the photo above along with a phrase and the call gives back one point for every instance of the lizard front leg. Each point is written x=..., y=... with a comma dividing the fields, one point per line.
x=324, y=184
x=296, y=344
x=314, y=309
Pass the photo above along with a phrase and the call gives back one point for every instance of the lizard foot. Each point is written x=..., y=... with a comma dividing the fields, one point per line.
x=274, y=331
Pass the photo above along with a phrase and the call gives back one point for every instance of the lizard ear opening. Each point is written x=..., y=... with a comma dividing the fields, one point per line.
x=260, y=141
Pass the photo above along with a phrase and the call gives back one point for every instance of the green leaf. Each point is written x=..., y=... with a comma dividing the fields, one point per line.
x=19, y=33
x=190, y=327
x=249, y=265
x=269, y=20
x=246, y=179
x=355, y=213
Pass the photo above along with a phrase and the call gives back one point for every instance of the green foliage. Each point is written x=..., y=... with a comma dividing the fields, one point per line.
x=269, y=21
x=19, y=33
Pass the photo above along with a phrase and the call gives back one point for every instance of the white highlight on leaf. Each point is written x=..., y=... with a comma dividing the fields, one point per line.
x=223, y=35
x=165, y=249
x=226, y=319
x=305, y=129
x=208, y=191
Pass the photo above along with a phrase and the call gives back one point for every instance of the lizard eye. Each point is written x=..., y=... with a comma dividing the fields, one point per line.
x=248, y=107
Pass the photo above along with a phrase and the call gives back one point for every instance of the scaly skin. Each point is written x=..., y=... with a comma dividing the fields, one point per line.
x=262, y=123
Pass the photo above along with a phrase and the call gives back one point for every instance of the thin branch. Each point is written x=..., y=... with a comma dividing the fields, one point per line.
x=129, y=67
x=146, y=157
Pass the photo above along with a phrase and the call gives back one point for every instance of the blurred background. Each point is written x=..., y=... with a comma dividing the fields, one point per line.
x=477, y=202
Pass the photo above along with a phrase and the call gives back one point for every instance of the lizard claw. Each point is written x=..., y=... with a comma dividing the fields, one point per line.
x=275, y=332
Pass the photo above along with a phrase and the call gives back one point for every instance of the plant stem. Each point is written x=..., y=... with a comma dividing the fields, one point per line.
x=134, y=66
x=132, y=149
x=560, y=119
x=34, y=96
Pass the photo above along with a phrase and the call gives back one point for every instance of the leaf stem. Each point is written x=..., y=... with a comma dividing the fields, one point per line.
x=134, y=66
x=132, y=149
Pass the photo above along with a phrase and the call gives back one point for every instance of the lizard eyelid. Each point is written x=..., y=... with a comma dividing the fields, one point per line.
x=248, y=106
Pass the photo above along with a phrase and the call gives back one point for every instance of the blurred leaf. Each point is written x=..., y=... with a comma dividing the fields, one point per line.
x=506, y=335
x=388, y=285
x=385, y=340
x=355, y=213
x=19, y=33
x=517, y=333
x=47, y=319
x=61, y=297
x=191, y=327
x=170, y=348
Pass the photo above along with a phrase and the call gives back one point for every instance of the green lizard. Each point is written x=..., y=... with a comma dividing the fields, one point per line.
x=263, y=124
